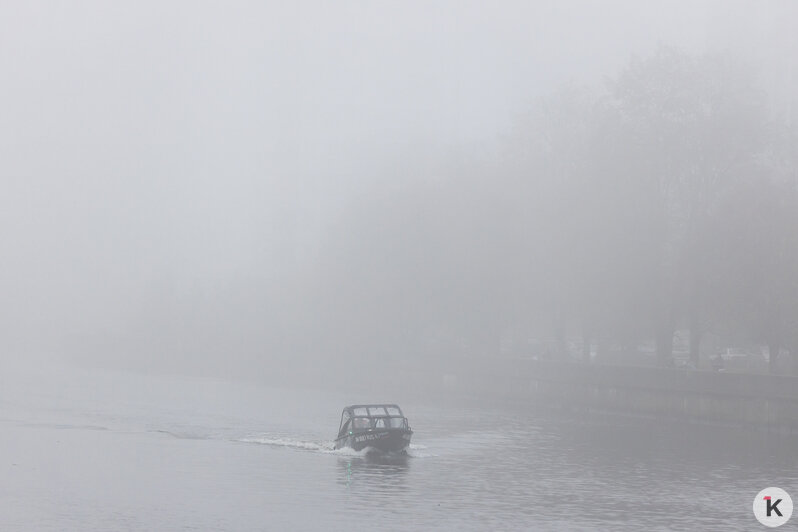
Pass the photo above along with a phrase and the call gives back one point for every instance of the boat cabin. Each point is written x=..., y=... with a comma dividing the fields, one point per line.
x=362, y=418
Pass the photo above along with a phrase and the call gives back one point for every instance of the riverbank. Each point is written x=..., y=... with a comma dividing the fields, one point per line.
x=765, y=401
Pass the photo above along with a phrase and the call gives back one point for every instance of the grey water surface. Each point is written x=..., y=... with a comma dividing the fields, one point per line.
x=90, y=449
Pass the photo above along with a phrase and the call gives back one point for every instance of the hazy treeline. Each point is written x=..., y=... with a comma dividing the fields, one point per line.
x=664, y=200
x=606, y=216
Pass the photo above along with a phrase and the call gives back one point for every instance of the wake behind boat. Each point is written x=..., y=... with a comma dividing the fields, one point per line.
x=382, y=427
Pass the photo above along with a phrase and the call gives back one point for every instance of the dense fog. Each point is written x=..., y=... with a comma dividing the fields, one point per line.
x=250, y=189
x=420, y=265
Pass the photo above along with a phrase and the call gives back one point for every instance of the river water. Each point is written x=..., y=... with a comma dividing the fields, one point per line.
x=86, y=449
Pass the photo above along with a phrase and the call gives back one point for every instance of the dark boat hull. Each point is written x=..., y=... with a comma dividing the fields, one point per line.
x=384, y=440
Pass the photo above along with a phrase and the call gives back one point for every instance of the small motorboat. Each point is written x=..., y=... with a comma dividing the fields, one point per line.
x=380, y=427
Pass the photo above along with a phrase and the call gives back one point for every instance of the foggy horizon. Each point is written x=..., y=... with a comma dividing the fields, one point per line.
x=162, y=153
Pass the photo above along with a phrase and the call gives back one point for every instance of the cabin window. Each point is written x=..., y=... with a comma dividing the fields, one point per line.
x=396, y=422
x=376, y=411
x=361, y=411
x=393, y=411
x=362, y=423
x=345, y=417
x=379, y=423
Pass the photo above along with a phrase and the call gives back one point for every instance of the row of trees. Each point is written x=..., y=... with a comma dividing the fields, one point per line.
x=665, y=201
x=681, y=185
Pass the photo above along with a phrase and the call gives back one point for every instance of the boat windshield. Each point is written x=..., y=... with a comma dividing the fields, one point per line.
x=371, y=417
x=361, y=423
x=397, y=422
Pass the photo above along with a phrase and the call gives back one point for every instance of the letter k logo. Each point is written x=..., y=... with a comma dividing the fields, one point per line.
x=772, y=506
